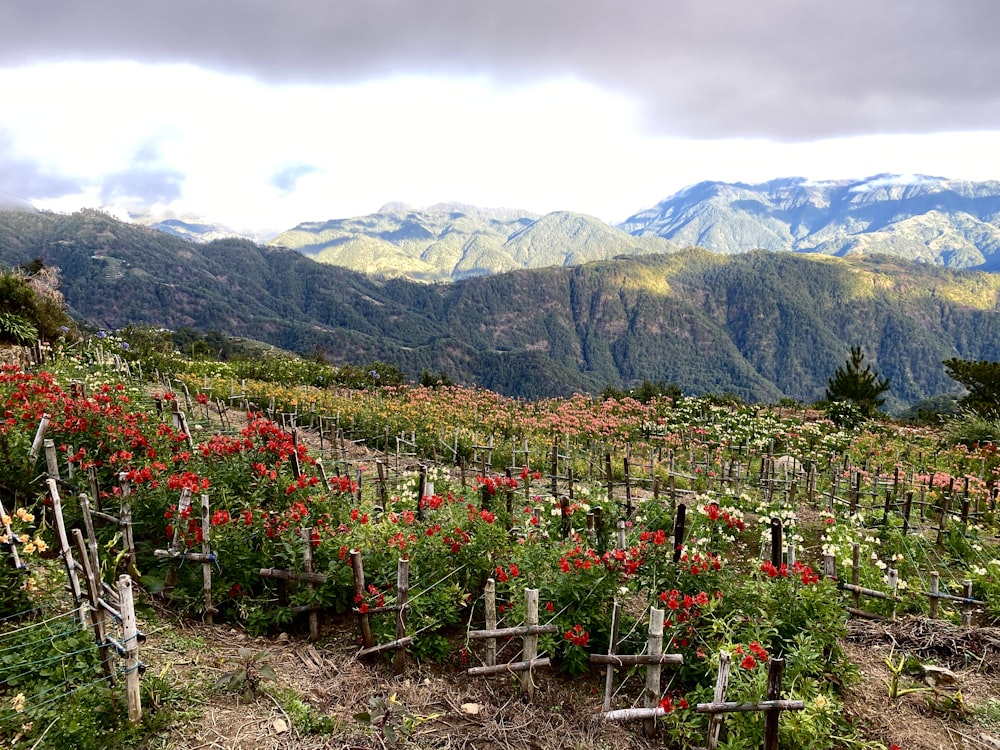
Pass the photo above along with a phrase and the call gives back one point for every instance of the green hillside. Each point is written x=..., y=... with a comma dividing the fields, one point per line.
x=759, y=325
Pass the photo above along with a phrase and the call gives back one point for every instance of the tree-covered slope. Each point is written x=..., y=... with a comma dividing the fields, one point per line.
x=760, y=325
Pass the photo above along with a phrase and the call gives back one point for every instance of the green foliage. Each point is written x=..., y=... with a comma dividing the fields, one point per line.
x=855, y=382
x=16, y=329
x=54, y=693
x=31, y=307
x=248, y=670
x=305, y=717
x=935, y=410
x=646, y=391
x=981, y=380
x=18, y=310
x=972, y=429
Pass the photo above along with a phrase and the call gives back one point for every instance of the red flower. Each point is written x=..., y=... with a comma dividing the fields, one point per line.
x=577, y=636
x=748, y=662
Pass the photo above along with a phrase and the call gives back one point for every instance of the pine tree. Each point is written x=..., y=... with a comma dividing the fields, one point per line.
x=981, y=380
x=854, y=381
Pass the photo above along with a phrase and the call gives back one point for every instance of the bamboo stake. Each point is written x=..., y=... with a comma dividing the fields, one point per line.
x=64, y=548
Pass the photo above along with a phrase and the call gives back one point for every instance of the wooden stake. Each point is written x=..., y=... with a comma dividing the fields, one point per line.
x=51, y=459
x=609, y=675
x=11, y=536
x=721, y=685
x=206, y=566
x=97, y=614
x=64, y=548
x=36, y=444
x=490, y=595
x=402, y=594
x=129, y=639
x=654, y=648
x=775, y=668
x=529, y=648
x=359, y=591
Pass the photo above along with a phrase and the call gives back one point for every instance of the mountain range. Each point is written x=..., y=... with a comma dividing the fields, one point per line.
x=951, y=223
x=761, y=325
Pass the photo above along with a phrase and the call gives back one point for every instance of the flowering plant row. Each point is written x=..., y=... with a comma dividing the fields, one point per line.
x=265, y=487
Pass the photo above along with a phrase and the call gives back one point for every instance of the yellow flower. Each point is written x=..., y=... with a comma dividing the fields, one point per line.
x=17, y=702
x=25, y=515
x=41, y=544
x=6, y=520
x=28, y=548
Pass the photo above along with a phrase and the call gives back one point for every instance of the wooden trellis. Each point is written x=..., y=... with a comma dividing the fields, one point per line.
x=399, y=645
x=206, y=557
x=968, y=604
x=529, y=633
x=306, y=576
x=772, y=705
x=653, y=660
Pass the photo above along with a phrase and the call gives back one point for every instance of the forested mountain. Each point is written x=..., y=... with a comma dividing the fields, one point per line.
x=952, y=223
x=946, y=222
x=452, y=241
x=760, y=325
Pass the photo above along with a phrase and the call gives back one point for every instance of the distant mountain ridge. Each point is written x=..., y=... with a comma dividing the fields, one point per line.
x=449, y=242
x=954, y=223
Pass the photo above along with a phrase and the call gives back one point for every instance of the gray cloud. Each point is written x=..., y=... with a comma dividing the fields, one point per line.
x=23, y=180
x=287, y=179
x=145, y=181
x=789, y=69
x=142, y=184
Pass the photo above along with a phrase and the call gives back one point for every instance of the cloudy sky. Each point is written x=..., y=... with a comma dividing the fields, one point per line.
x=264, y=113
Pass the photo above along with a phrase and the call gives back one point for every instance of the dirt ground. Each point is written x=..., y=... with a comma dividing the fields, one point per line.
x=963, y=715
x=446, y=709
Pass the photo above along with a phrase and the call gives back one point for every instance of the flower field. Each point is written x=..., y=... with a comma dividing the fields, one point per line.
x=579, y=499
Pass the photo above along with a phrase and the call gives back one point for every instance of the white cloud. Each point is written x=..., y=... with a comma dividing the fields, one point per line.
x=219, y=140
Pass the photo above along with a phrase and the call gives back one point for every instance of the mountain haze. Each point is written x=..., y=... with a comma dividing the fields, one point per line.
x=761, y=325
